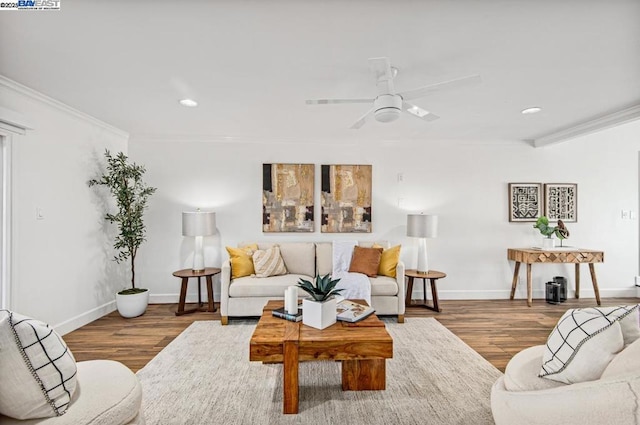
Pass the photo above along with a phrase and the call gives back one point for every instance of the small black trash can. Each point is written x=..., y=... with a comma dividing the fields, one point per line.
x=553, y=292
x=562, y=281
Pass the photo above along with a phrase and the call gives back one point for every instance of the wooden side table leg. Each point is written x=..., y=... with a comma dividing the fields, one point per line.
x=577, y=280
x=407, y=300
x=514, y=282
x=212, y=307
x=424, y=290
x=183, y=296
x=529, y=286
x=199, y=293
x=434, y=293
x=594, y=280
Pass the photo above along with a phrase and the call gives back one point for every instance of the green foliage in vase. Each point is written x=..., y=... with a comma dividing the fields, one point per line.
x=560, y=230
x=323, y=289
x=124, y=180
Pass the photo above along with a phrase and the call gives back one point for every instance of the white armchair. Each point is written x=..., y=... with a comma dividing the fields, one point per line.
x=521, y=397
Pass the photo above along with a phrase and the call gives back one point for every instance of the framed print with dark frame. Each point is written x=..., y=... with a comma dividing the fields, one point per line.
x=561, y=201
x=287, y=197
x=346, y=199
x=525, y=201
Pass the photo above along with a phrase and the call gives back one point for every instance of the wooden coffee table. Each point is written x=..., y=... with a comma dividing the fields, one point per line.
x=362, y=347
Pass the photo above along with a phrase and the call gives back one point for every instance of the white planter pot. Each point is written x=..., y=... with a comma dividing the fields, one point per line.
x=132, y=305
x=548, y=243
x=319, y=315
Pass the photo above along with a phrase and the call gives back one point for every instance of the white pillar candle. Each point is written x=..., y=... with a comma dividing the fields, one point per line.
x=292, y=297
x=286, y=300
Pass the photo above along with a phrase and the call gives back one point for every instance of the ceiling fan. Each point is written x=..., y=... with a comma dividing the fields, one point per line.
x=388, y=104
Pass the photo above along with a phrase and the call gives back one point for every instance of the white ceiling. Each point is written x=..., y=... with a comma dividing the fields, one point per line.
x=252, y=64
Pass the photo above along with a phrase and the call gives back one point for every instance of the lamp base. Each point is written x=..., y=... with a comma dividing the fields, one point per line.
x=198, y=255
x=423, y=261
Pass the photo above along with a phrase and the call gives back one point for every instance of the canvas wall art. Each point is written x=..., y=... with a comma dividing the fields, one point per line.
x=525, y=201
x=346, y=199
x=287, y=197
x=561, y=201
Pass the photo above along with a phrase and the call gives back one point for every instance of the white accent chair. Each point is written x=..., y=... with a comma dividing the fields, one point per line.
x=107, y=393
x=521, y=397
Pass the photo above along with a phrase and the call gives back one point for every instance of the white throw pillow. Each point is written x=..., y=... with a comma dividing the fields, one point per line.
x=268, y=262
x=626, y=363
x=583, y=343
x=37, y=370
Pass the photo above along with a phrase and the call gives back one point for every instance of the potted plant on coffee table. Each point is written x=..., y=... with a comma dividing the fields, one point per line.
x=320, y=311
x=124, y=181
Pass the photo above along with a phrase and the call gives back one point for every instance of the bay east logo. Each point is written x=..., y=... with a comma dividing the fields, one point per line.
x=30, y=5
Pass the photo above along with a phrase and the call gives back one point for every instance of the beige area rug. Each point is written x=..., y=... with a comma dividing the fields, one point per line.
x=204, y=377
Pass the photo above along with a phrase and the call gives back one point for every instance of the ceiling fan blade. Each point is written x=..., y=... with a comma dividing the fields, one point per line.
x=328, y=101
x=423, y=91
x=419, y=112
x=356, y=125
x=381, y=68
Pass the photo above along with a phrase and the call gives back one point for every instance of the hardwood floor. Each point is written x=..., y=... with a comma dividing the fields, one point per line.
x=497, y=329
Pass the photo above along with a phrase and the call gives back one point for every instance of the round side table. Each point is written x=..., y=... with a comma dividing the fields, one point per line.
x=432, y=275
x=185, y=274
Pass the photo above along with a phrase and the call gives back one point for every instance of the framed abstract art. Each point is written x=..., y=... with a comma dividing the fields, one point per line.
x=525, y=201
x=287, y=197
x=346, y=199
x=561, y=201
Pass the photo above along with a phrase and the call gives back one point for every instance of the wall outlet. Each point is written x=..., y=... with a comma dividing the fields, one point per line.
x=637, y=280
x=625, y=214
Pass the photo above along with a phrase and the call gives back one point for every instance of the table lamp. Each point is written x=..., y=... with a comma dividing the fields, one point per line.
x=199, y=224
x=422, y=226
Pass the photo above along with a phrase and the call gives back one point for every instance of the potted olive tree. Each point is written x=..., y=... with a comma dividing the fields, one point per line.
x=124, y=181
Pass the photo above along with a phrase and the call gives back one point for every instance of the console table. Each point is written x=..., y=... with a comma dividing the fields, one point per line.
x=560, y=255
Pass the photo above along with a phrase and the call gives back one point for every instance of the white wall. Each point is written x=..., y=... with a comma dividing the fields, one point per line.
x=61, y=268
x=464, y=183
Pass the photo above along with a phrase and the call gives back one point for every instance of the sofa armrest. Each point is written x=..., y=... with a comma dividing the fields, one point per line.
x=225, y=282
x=401, y=287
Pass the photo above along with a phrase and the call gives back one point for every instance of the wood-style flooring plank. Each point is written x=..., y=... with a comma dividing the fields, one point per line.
x=496, y=329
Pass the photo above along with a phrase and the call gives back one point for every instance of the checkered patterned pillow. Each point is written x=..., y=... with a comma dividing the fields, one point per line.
x=585, y=340
x=37, y=370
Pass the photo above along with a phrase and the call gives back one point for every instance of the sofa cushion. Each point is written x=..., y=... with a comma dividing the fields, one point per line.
x=389, y=261
x=274, y=286
x=626, y=362
x=582, y=344
x=241, y=259
x=365, y=260
x=268, y=262
x=521, y=373
x=324, y=260
x=37, y=370
x=299, y=257
x=383, y=286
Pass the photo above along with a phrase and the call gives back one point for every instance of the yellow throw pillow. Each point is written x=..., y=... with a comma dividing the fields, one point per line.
x=388, y=260
x=242, y=260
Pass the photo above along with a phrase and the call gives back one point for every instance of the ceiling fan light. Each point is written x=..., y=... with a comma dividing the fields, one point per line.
x=387, y=114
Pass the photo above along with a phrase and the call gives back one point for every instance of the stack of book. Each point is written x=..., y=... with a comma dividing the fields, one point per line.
x=282, y=313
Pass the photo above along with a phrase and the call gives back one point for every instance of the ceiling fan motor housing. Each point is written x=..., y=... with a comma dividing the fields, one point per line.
x=387, y=107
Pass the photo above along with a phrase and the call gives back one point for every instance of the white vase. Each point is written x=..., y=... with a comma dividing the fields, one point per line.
x=132, y=305
x=319, y=315
x=548, y=243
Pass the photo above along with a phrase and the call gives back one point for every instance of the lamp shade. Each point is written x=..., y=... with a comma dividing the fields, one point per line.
x=198, y=223
x=422, y=226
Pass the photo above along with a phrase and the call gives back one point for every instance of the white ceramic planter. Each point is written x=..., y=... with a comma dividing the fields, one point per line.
x=548, y=243
x=132, y=305
x=319, y=315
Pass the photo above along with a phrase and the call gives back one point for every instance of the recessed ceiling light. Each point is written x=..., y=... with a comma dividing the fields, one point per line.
x=189, y=102
x=532, y=110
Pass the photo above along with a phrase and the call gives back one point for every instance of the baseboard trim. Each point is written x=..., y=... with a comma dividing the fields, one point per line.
x=500, y=294
x=85, y=318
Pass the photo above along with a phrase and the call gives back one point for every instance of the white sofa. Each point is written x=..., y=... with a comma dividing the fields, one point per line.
x=521, y=397
x=247, y=296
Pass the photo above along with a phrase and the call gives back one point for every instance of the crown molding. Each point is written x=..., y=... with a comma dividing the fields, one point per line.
x=605, y=121
x=27, y=91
